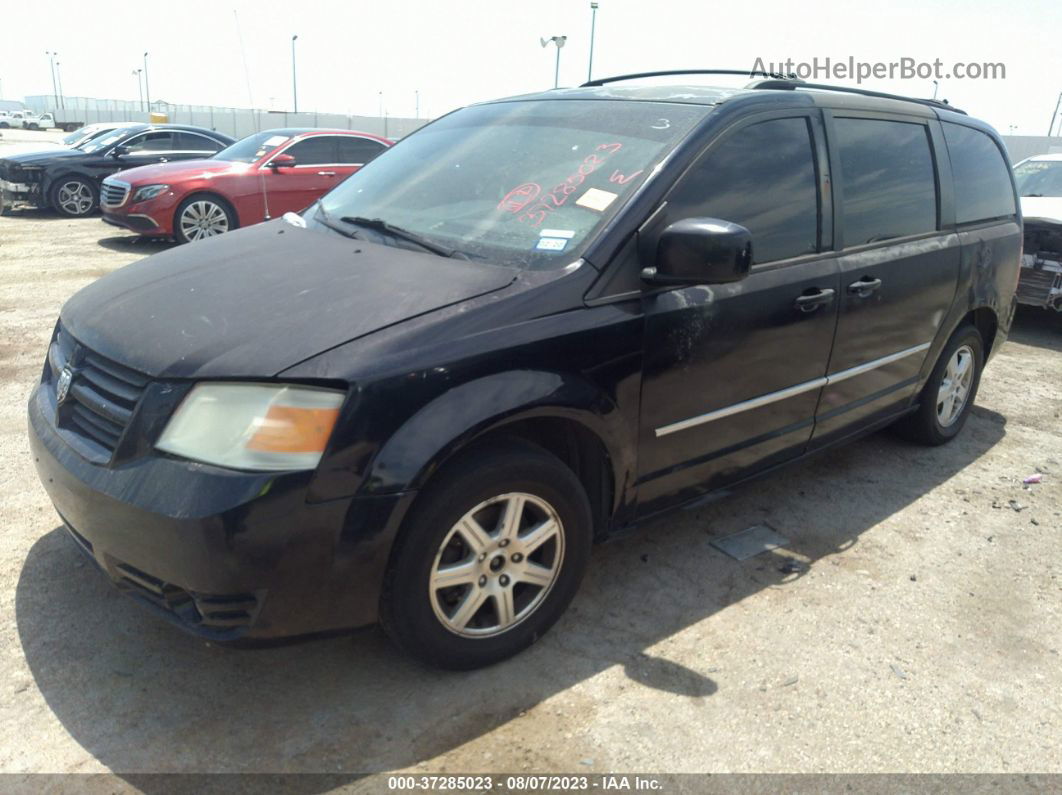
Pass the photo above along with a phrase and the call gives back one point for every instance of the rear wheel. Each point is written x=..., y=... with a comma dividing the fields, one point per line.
x=949, y=393
x=74, y=197
x=489, y=559
x=200, y=217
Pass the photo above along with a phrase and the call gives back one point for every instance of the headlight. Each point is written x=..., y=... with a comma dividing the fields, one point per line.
x=149, y=192
x=253, y=426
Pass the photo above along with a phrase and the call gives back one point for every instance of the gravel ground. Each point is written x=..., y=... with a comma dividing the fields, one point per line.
x=921, y=633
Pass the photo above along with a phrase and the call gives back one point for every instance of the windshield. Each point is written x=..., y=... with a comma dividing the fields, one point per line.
x=103, y=141
x=1039, y=178
x=249, y=149
x=525, y=183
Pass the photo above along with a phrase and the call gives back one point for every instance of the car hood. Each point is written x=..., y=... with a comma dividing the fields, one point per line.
x=38, y=147
x=180, y=169
x=256, y=301
x=1042, y=208
x=41, y=158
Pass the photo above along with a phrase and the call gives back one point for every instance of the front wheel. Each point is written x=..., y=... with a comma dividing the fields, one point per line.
x=74, y=197
x=948, y=395
x=490, y=557
x=200, y=217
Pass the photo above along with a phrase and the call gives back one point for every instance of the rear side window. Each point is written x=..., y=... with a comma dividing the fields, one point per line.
x=887, y=178
x=982, y=176
x=358, y=151
x=190, y=142
x=317, y=150
x=762, y=177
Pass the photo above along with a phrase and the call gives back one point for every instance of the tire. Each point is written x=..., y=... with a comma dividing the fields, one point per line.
x=957, y=373
x=74, y=197
x=459, y=627
x=202, y=216
x=4, y=125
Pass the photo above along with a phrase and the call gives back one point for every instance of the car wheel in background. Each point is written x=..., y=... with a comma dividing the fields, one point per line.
x=491, y=555
x=949, y=393
x=74, y=197
x=199, y=217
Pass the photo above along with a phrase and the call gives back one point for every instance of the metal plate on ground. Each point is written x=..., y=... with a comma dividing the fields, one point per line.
x=750, y=542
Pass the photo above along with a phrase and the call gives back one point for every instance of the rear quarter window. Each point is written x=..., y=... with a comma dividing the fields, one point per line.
x=982, y=177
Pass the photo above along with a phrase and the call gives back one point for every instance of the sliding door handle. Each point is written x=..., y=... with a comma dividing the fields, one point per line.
x=864, y=287
x=813, y=299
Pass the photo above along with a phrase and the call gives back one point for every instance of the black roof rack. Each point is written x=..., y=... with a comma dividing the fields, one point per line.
x=776, y=81
x=746, y=72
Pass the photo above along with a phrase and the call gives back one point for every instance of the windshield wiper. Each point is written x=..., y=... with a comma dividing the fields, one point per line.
x=380, y=225
x=326, y=219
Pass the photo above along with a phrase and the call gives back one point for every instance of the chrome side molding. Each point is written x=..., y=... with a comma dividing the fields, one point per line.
x=788, y=392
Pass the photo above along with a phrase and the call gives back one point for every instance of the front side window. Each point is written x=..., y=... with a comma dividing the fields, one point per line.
x=888, y=180
x=1039, y=178
x=151, y=142
x=317, y=150
x=763, y=178
x=982, y=184
x=521, y=183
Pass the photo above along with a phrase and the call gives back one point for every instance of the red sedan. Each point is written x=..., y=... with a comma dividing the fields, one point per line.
x=262, y=176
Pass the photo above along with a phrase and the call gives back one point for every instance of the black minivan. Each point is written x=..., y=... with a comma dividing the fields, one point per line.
x=532, y=323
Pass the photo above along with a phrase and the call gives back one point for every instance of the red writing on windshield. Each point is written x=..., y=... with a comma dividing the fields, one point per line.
x=518, y=198
x=559, y=195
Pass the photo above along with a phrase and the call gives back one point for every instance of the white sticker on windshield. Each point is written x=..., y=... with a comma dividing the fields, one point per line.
x=596, y=199
x=567, y=234
x=551, y=243
x=275, y=140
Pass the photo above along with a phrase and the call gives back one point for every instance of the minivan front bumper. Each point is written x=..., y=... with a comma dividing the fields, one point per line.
x=223, y=554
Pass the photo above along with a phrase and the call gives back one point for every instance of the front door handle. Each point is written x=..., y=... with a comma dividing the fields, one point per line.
x=813, y=299
x=864, y=287
x=326, y=173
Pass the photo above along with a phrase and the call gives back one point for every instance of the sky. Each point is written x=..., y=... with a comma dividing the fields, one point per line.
x=454, y=52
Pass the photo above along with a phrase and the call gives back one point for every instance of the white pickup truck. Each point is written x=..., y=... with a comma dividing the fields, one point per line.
x=26, y=120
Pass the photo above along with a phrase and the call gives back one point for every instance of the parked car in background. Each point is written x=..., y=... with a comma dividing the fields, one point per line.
x=71, y=140
x=68, y=181
x=1039, y=181
x=532, y=324
x=262, y=176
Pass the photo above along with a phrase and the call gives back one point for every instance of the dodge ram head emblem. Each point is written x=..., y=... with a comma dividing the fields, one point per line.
x=62, y=386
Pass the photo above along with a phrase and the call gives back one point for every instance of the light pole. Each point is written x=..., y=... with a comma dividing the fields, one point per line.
x=59, y=80
x=380, y=111
x=294, y=82
x=936, y=85
x=559, y=41
x=416, y=111
x=147, y=85
x=55, y=91
x=139, y=87
x=1055, y=114
x=593, y=26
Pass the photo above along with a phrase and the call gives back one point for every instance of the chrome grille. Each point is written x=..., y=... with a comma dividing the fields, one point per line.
x=102, y=393
x=1037, y=286
x=113, y=193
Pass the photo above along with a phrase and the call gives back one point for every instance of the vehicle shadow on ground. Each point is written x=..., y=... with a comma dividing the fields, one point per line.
x=35, y=214
x=135, y=244
x=1035, y=326
x=143, y=697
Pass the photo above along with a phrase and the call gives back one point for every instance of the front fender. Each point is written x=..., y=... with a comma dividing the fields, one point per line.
x=461, y=415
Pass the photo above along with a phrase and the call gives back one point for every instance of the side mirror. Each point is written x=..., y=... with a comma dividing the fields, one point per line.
x=701, y=251
x=281, y=161
x=118, y=151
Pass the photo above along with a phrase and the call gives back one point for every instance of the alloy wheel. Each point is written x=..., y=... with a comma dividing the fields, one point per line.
x=955, y=386
x=202, y=219
x=75, y=198
x=496, y=565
